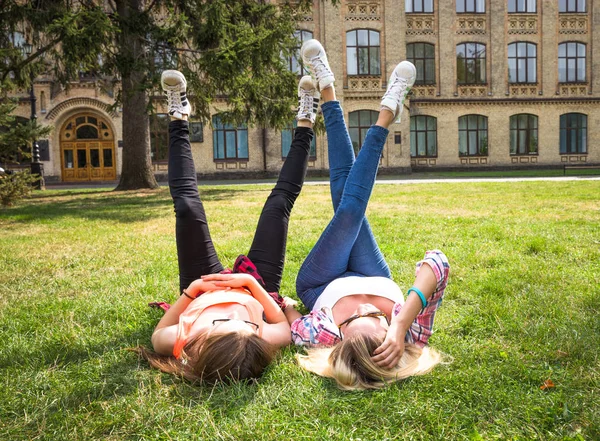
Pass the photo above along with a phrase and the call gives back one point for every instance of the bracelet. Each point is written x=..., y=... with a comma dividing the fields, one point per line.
x=419, y=293
x=187, y=295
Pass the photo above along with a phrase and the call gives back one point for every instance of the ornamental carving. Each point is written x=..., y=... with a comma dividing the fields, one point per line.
x=573, y=24
x=574, y=90
x=471, y=25
x=524, y=90
x=359, y=11
x=364, y=84
x=525, y=24
x=472, y=91
x=420, y=24
x=423, y=92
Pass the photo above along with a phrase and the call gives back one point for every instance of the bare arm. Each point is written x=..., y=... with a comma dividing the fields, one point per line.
x=278, y=334
x=165, y=332
x=389, y=353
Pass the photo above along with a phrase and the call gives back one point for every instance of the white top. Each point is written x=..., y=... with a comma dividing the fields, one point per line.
x=347, y=286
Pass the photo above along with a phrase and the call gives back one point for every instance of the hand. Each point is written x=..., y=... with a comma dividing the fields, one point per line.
x=200, y=286
x=389, y=353
x=289, y=302
x=229, y=280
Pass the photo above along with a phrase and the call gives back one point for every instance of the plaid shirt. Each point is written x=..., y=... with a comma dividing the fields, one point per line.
x=319, y=329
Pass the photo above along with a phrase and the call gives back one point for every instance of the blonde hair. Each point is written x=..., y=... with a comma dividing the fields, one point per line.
x=349, y=363
x=231, y=356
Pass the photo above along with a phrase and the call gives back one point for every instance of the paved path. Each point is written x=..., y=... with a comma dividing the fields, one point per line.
x=383, y=180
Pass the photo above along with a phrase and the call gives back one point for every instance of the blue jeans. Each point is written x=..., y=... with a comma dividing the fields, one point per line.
x=347, y=246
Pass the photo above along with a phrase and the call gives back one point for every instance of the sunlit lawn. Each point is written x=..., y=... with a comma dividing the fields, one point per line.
x=78, y=268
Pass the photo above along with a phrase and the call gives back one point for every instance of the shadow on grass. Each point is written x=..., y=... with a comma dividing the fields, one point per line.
x=121, y=207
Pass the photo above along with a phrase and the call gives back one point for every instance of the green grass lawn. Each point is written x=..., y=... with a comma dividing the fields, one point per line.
x=78, y=268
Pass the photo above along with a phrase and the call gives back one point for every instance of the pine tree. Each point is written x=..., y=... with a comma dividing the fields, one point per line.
x=232, y=48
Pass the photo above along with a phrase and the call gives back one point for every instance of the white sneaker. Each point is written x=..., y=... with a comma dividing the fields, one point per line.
x=308, y=99
x=401, y=80
x=315, y=59
x=174, y=84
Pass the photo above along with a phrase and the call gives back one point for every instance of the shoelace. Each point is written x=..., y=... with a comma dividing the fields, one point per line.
x=174, y=98
x=396, y=88
x=319, y=67
x=306, y=102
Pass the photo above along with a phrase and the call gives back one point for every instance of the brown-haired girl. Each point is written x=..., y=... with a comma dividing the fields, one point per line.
x=226, y=326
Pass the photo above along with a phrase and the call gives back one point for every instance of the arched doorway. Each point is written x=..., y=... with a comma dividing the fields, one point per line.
x=87, y=149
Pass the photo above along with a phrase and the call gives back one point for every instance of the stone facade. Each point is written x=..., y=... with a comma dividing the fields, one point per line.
x=443, y=97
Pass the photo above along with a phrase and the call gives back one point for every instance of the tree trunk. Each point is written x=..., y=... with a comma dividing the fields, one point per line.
x=136, y=172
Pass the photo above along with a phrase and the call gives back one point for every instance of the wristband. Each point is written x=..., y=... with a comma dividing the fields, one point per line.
x=187, y=295
x=418, y=292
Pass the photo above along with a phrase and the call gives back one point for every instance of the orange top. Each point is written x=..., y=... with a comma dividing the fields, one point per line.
x=197, y=306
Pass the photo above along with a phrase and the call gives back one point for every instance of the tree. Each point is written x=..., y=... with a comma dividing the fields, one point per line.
x=15, y=136
x=224, y=47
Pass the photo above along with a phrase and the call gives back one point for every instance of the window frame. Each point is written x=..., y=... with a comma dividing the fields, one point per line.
x=465, y=4
x=312, y=154
x=528, y=132
x=362, y=128
x=219, y=126
x=412, y=6
x=477, y=130
x=569, y=10
x=427, y=131
x=482, y=62
x=568, y=57
x=527, y=57
x=369, y=47
x=301, y=70
x=526, y=4
x=581, y=134
x=415, y=60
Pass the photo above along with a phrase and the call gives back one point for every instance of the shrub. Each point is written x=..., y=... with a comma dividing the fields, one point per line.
x=16, y=186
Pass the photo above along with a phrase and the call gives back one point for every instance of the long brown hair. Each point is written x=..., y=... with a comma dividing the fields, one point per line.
x=349, y=363
x=231, y=356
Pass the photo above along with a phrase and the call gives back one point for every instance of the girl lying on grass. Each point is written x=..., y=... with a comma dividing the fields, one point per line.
x=360, y=330
x=226, y=325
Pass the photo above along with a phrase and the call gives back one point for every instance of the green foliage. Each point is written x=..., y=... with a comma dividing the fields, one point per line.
x=16, y=186
x=15, y=135
x=224, y=47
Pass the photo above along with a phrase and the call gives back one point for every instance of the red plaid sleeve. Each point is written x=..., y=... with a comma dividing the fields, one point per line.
x=422, y=327
x=315, y=329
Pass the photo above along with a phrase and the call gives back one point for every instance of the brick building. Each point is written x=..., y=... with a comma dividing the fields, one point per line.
x=501, y=84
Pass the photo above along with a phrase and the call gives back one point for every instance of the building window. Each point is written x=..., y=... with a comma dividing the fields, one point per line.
x=165, y=56
x=359, y=123
x=422, y=55
x=470, y=63
x=362, y=52
x=571, y=5
x=472, y=135
x=522, y=6
x=295, y=61
x=470, y=6
x=229, y=142
x=287, y=135
x=523, y=134
x=522, y=59
x=573, y=133
x=571, y=62
x=423, y=136
x=159, y=137
x=17, y=39
x=419, y=6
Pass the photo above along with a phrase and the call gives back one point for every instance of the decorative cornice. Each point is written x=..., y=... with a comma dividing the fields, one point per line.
x=503, y=102
x=80, y=102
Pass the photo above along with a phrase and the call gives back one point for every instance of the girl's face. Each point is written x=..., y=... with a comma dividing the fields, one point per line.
x=366, y=325
x=223, y=319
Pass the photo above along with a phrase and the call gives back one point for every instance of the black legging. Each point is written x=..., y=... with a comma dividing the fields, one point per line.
x=195, y=251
